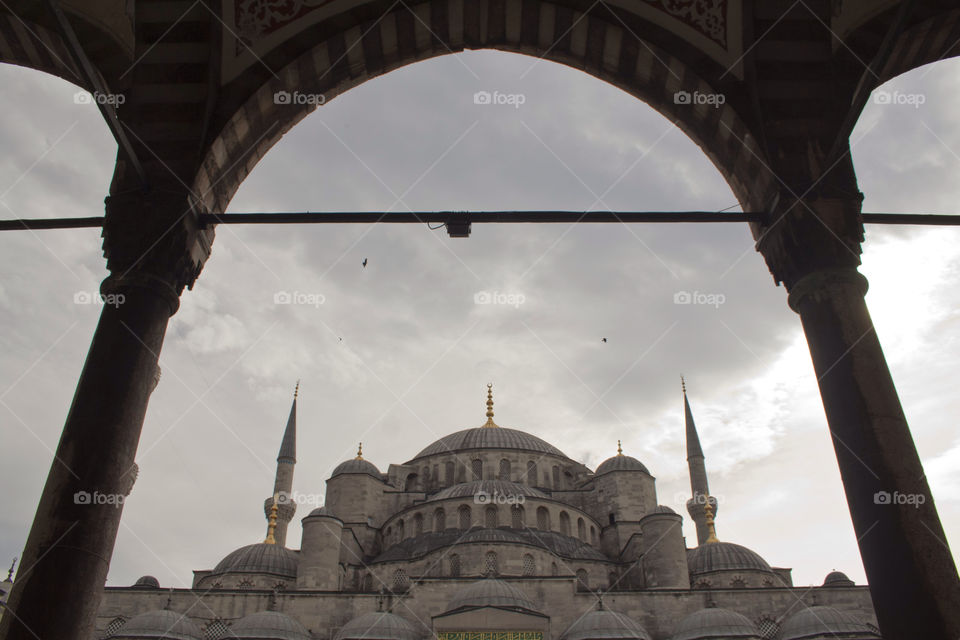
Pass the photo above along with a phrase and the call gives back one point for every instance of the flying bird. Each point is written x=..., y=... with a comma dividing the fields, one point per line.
x=364, y=263
x=603, y=339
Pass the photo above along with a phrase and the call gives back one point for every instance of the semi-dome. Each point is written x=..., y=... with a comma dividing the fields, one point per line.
x=491, y=488
x=378, y=626
x=620, y=462
x=837, y=579
x=321, y=511
x=724, y=556
x=489, y=438
x=357, y=465
x=605, y=624
x=715, y=624
x=269, y=625
x=147, y=582
x=259, y=558
x=820, y=622
x=662, y=508
x=491, y=592
x=154, y=625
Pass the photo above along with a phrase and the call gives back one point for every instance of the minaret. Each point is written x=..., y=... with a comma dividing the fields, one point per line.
x=698, y=475
x=279, y=508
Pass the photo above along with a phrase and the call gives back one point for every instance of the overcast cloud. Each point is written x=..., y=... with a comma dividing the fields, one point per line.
x=398, y=354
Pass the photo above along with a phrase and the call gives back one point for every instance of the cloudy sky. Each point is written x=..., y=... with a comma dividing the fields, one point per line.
x=399, y=353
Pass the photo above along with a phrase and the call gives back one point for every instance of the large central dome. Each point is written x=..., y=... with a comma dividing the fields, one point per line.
x=489, y=438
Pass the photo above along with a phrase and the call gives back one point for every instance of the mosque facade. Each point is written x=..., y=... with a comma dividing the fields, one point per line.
x=491, y=533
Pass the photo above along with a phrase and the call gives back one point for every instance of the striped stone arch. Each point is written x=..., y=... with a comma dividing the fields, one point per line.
x=604, y=49
x=935, y=39
x=31, y=45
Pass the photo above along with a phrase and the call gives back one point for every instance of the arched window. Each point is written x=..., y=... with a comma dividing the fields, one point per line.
x=593, y=535
x=465, y=519
x=564, y=523
x=449, y=470
x=368, y=582
x=454, y=566
x=556, y=477
x=399, y=579
x=490, y=517
x=581, y=529
x=505, y=469
x=529, y=567
x=418, y=524
x=583, y=582
x=245, y=584
x=410, y=484
x=477, y=467
x=490, y=565
x=439, y=520
x=435, y=477
x=116, y=623
x=531, y=473
x=401, y=534
x=543, y=518
x=517, y=521
x=426, y=477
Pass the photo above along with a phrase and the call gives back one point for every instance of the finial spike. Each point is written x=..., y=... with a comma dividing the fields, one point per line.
x=711, y=527
x=490, y=422
x=296, y=390
x=360, y=451
x=10, y=571
x=683, y=384
x=272, y=526
x=619, y=449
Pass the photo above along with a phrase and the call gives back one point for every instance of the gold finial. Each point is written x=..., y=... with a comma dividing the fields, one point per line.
x=490, y=422
x=10, y=571
x=711, y=528
x=296, y=390
x=683, y=384
x=360, y=451
x=619, y=449
x=272, y=526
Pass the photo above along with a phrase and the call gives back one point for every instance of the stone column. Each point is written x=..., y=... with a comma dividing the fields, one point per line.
x=913, y=580
x=147, y=240
x=813, y=247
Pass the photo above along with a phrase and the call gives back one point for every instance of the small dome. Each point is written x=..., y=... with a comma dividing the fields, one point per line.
x=269, y=625
x=605, y=624
x=491, y=593
x=491, y=488
x=715, y=623
x=357, y=465
x=837, y=579
x=620, y=462
x=662, y=508
x=321, y=511
x=489, y=438
x=815, y=623
x=154, y=625
x=147, y=582
x=378, y=626
x=260, y=558
x=724, y=556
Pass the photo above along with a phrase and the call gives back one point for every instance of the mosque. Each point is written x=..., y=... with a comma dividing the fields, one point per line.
x=490, y=533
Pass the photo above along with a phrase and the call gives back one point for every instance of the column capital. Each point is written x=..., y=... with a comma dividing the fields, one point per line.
x=153, y=240
x=826, y=282
x=821, y=231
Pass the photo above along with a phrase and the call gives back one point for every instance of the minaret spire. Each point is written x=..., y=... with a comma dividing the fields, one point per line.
x=699, y=487
x=279, y=508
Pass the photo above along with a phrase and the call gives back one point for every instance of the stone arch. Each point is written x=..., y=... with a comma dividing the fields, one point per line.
x=34, y=46
x=605, y=49
x=543, y=519
x=517, y=517
x=565, y=523
x=464, y=516
x=583, y=580
x=439, y=520
x=491, y=518
x=935, y=39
